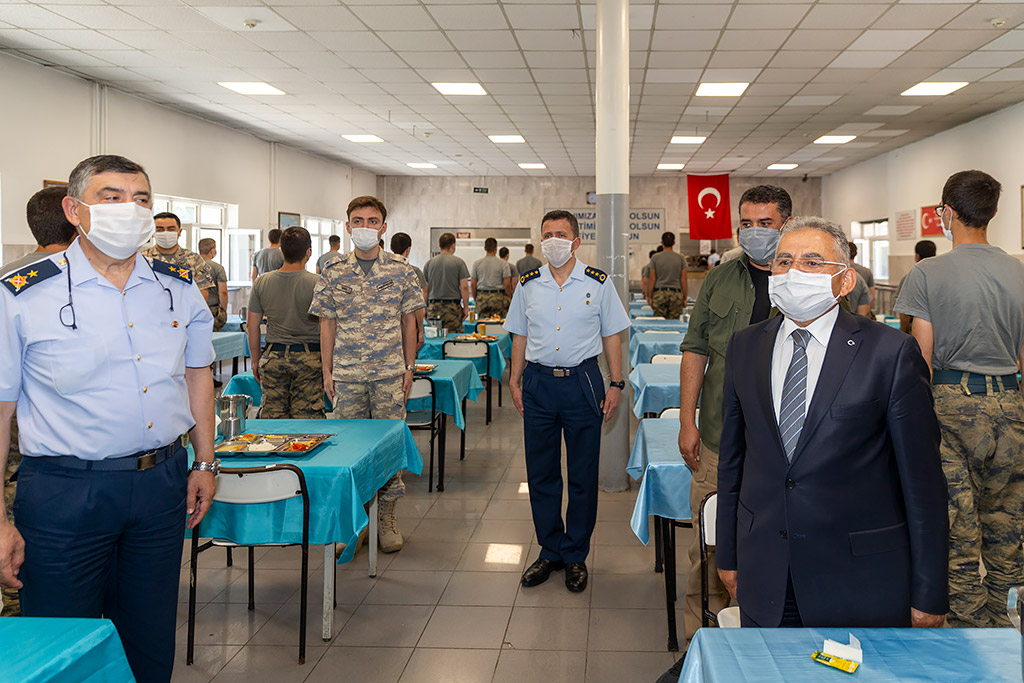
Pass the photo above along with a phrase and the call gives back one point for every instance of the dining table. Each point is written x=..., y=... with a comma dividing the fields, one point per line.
x=59, y=650
x=645, y=345
x=655, y=387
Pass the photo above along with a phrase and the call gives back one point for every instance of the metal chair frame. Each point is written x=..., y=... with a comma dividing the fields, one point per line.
x=485, y=376
x=435, y=427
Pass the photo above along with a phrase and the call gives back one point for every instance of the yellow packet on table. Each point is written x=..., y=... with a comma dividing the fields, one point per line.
x=835, y=662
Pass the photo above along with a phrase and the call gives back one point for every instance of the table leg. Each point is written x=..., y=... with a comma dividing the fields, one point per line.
x=328, y=609
x=234, y=366
x=465, y=423
x=488, y=421
x=659, y=548
x=371, y=537
x=442, y=445
x=668, y=538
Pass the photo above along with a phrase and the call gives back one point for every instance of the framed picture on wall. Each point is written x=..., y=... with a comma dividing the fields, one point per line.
x=54, y=183
x=288, y=220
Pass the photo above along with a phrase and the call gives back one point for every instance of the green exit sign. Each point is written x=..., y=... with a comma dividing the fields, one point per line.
x=479, y=190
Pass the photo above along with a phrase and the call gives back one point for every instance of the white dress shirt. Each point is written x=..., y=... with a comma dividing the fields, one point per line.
x=782, y=354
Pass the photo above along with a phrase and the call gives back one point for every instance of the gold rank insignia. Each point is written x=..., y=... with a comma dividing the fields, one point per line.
x=22, y=279
x=164, y=268
x=598, y=275
x=526, y=277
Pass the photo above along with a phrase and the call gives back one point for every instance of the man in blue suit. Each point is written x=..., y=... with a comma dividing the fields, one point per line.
x=831, y=498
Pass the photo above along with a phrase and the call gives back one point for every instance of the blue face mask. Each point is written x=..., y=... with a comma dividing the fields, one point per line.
x=759, y=243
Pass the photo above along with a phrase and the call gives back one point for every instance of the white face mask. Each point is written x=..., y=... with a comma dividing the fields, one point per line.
x=947, y=230
x=365, y=239
x=556, y=250
x=119, y=230
x=802, y=296
x=166, y=240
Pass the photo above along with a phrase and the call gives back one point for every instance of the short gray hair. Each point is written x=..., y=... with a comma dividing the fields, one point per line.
x=839, y=239
x=103, y=163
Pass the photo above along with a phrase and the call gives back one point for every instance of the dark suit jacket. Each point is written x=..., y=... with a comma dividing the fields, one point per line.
x=859, y=516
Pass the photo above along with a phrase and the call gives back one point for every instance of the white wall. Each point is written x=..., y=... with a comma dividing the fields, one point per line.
x=50, y=121
x=912, y=177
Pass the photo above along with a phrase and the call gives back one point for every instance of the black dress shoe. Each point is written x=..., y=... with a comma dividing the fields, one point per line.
x=539, y=571
x=576, y=577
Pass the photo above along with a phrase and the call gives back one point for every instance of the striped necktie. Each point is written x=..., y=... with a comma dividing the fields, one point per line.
x=794, y=392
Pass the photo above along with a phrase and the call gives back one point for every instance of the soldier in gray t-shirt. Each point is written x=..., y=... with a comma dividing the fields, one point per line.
x=968, y=310
x=528, y=262
x=860, y=298
x=667, y=277
x=491, y=282
x=513, y=271
x=447, y=286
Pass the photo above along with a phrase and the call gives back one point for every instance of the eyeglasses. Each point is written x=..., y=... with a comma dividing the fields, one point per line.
x=806, y=265
x=938, y=210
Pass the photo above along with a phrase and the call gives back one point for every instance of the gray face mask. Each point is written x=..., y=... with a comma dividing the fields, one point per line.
x=759, y=243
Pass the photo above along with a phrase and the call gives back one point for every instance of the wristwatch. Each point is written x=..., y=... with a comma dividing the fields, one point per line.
x=618, y=385
x=410, y=367
x=214, y=467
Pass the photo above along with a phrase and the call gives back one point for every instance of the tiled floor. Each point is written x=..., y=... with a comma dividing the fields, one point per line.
x=448, y=607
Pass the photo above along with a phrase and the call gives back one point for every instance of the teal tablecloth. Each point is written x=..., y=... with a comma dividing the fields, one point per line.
x=639, y=308
x=228, y=345
x=654, y=387
x=342, y=475
x=497, y=350
x=638, y=326
x=232, y=324
x=454, y=380
x=61, y=651
x=890, y=654
x=665, y=489
x=643, y=346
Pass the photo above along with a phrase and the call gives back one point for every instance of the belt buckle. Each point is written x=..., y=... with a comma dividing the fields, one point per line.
x=146, y=461
x=559, y=372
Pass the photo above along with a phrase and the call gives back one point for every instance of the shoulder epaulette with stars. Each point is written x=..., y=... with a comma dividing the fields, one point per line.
x=598, y=275
x=22, y=279
x=164, y=268
x=526, y=277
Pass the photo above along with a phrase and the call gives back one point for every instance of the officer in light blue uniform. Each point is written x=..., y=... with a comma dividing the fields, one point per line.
x=106, y=356
x=563, y=315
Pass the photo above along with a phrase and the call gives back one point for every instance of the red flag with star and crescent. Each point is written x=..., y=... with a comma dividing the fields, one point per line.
x=707, y=197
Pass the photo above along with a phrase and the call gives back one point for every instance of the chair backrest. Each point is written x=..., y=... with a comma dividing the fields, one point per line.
x=422, y=387
x=649, y=317
x=248, y=485
x=708, y=517
x=661, y=332
x=667, y=359
x=669, y=413
x=491, y=328
x=464, y=349
x=729, y=617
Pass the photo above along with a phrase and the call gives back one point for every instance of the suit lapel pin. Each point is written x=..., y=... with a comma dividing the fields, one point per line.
x=851, y=342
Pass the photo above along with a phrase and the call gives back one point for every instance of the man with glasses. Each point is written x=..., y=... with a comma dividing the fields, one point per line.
x=968, y=310
x=831, y=499
x=107, y=357
x=734, y=295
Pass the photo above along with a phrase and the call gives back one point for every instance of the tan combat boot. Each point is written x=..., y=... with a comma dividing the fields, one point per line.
x=387, y=527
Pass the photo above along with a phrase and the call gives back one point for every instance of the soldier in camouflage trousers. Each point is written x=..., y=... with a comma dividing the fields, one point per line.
x=450, y=313
x=985, y=477
x=292, y=384
x=10, y=596
x=490, y=304
x=668, y=303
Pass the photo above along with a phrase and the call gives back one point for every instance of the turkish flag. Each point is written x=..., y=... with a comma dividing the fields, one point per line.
x=930, y=223
x=707, y=197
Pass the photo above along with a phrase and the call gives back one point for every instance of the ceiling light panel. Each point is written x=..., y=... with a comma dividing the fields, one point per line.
x=251, y=87
x=362, y=138
x=688, y=139
x=532, y=167
x=459, y=88
x=414, y=164
x=933, y=88
x=670, y=167
x=507, y=139
x=721, y=89
x=782, y=167
x=834, y=139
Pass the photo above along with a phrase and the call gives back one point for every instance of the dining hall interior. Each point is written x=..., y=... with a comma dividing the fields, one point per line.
x=250, y=116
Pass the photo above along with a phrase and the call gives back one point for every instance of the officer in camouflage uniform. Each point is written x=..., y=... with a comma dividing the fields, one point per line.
x=217, y=296
x=491, y=283
x=167, y=249
x=367, y=302
x=447, y=286
x=10, y=595
x=667, y=275
x=968, y=310
x=288, y=368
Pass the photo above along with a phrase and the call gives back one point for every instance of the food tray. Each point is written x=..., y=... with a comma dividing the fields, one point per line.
x=475, y=337
x=256, y=445
x=424, y=368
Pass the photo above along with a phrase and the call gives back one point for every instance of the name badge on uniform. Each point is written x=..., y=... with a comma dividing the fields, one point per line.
x=385, y=285
x=345, y=288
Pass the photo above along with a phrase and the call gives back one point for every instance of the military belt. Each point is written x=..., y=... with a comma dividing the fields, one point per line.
x=446, y=301
x=667, y=289
x=975, y=383
x=564, y=372
x=137, y=462
x=309, y=346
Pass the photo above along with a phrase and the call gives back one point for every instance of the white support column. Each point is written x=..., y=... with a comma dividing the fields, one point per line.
x=613, y=205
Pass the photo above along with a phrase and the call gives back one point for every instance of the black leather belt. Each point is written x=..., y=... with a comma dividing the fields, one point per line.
x=446, y=301
x=310, y=346
x=489, y=291
x=667, y=289
x=564, y=372
x=976, y=383
x=137, y=462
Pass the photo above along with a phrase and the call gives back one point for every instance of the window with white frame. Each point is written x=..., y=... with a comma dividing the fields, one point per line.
x=320, y=231
x=201, y=219
x=872, y=240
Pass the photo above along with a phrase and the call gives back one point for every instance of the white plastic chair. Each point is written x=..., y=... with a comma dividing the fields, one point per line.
x=423, y=387
x=728, y=617
x=467, y=350
x=667, y=358
x=254, y=486
x=672, y=413
x=661, y=332
x=649, y=317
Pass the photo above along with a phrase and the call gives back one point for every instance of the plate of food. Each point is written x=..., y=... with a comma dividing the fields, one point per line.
x=476, y=336
x=269, y=444
x=424, y=368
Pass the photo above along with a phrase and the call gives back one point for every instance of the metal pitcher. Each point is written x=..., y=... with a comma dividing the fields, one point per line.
x=231, y=410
